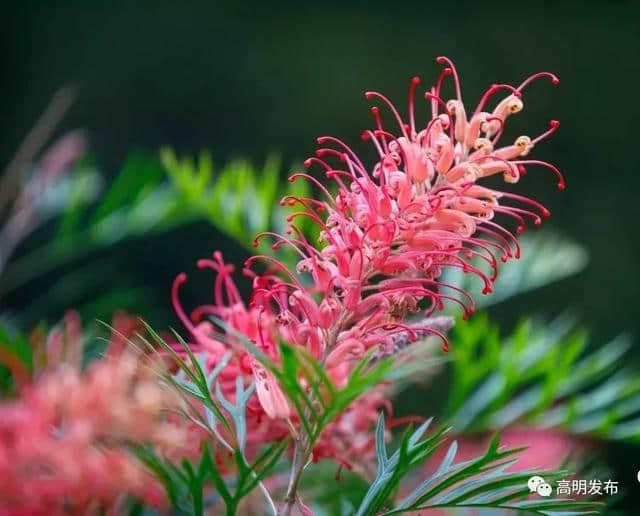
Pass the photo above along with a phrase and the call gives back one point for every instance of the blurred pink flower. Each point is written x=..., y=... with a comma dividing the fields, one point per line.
x=546, y=449
x=65, y=442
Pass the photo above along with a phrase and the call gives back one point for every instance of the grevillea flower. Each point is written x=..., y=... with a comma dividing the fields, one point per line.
x=392, y=228
x=65, y=442
x=269, y=416
x=215, y=343
x=385, y=237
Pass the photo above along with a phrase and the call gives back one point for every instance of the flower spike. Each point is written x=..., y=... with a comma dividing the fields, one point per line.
x=387, y=232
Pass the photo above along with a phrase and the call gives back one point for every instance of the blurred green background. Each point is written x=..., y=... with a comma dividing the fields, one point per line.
x=260, y=77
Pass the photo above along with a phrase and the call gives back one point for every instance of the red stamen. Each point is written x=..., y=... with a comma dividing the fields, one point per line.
x=376, y=115
x=436, y=90
x=412, y=93
x=554, y=125
x=554, y=79
x=492, y=91
x=321, y=187
x=331, y=139
x=456, y=80
x=561, y=182
x=180, y=280
x=374, y=94
x=544, y=211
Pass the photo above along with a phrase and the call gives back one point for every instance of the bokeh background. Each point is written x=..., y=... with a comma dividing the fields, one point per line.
x=260, y=77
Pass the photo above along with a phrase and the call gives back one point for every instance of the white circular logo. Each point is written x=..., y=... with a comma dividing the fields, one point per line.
x=544, y=489
x=534, y=482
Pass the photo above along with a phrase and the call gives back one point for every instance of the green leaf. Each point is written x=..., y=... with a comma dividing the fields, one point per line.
x=541, y=376
x=197, y=384
x=391, y=470
x=139, y=173
x=483, y=482
x=138, y=202
x=13, y=348
x=239, y=199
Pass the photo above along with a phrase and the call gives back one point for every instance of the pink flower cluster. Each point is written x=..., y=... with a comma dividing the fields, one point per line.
x=65, y=442
x=347, y=440
x=385, y=237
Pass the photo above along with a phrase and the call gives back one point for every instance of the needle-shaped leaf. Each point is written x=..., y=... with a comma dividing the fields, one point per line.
x=482, y=482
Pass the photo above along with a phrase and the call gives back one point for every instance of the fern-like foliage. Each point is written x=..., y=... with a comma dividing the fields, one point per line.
x=542, y=375
x=84, y=218
x=132, y=205
x=316, y=407
x=239, y=199
x=199, y=485
x=483, y=482
x=149, y=195
x=187, y=485
x=480, y=483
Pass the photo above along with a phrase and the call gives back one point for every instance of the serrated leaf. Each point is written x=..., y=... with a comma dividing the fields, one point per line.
x=541, y=377
x=483, y=482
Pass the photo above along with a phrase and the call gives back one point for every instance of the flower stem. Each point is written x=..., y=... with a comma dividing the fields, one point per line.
x=300, y=458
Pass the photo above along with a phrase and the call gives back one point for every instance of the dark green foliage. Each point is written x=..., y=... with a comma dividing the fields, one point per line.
x=482, y=482
x=14, y=349
x=543, y=376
